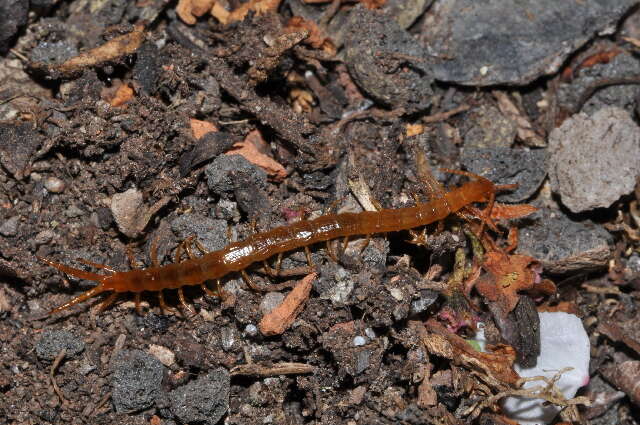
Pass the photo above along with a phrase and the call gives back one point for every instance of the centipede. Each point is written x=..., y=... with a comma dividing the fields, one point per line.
x=259, y=247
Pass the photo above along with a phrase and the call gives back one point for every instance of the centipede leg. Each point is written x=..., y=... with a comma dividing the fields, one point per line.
x=208, y=291
x=366, y=243
x=307, y=253
x=183, y=302
x=345, y=242
x=136, y=300
x=132, y=259
x=163, y=305
x=250, y=283
x=153, y=254
x=107, y=302
x=332, y=254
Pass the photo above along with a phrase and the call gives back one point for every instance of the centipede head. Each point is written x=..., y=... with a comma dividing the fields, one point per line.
x=80, y=274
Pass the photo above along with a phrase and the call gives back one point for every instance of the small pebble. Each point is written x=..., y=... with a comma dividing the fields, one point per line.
x=73, y=211
x=54, y=185
x=166, y=356
x=359, y=340
x=251, y=330
x=44, y=237
x=10, y=226
x=370, y=333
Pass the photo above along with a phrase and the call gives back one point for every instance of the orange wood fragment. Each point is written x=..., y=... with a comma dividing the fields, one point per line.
x=281, y=317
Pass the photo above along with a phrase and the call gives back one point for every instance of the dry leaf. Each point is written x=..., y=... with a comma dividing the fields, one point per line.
x=497, y=367
x=123, y=94
x=316, y=37
x=506, y=276
x=525, y=130
x=200, y=128
x=250, y=149
x=260, y=7
x=414, y=129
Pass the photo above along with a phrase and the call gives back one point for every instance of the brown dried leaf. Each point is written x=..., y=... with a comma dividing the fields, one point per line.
x=316, y=37
x=526, y=133
x=497, y=367
x=250, y=149
x=200, y=128
x=506, y=276
x=260, y=7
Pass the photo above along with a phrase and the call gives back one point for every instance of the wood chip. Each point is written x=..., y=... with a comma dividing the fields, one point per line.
x=281, y=317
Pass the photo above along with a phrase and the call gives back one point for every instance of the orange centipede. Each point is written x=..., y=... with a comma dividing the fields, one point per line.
x=238, y=256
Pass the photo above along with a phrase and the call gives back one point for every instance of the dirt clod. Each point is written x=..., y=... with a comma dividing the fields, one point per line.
x=136, y=381
x=204, y=400
x=53, y=342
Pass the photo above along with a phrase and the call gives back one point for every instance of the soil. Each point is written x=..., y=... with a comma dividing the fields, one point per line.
x=99, y=160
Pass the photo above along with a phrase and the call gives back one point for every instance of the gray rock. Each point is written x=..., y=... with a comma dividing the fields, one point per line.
x=377, y=51
x=225, y=169
x=204, y=400
x=14, y=15
x=10, y=226
x=486, y=43
x=136, y=380
x=594, y=160
x=525, y=167
x=565, y=246
x=211, y=233
x=53, y=342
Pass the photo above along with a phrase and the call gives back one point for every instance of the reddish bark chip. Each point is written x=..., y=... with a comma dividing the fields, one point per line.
x=281, y=317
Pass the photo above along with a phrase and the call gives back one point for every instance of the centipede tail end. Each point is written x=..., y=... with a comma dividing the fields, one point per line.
x=81, y=274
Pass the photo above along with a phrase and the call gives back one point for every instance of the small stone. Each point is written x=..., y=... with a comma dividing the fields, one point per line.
x=204, y=400
x=53, y=342
x=136, y=381
x=270, y=301
x=10, y=226
x=251, y=330
x=211, y=233
x=73, y=211
x=359, y=341
x=594, y=159
x=54, y=185
x=166, y=356
x=44, y=237
x=526, y=168
x=125, y=208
